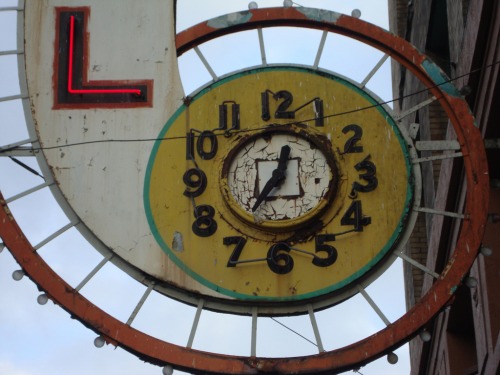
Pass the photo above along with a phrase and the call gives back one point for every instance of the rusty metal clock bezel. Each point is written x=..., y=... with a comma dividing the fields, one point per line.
x=288, y=225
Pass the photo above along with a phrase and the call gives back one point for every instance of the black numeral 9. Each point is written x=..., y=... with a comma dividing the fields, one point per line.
x=196, y=181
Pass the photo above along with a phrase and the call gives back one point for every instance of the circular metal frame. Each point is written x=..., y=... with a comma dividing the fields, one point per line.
x=162, y=353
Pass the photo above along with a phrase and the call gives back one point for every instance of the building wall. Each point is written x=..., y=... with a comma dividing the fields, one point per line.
x=463, y=37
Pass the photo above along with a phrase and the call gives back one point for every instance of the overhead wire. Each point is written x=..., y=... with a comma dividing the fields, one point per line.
x=161, y=139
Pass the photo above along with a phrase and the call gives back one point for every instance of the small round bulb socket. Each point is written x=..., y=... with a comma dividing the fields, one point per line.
x=42, y=299
x=99, y=342
x=392, y=358
x=168, y=370
x=486, y=251
x=18, y=275
x=425, y=336
x=356, y=13
x=470, y=282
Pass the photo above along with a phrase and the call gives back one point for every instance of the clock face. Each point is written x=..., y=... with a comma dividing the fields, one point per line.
x=296, y=187
x=308, y=183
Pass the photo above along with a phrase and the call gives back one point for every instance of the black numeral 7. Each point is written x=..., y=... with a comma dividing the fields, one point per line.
x=235, y=255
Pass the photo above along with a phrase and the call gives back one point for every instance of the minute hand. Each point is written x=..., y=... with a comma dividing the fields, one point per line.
x=277, y=178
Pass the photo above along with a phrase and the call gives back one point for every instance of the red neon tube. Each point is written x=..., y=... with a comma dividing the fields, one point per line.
x=71, y=90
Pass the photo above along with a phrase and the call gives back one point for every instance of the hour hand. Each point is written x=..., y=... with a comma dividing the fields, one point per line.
x=277, y=178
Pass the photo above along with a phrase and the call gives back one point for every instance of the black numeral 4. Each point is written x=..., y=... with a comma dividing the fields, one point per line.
x=354, y=216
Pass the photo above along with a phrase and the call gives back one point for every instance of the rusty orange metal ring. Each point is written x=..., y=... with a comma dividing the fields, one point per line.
x=161, y=353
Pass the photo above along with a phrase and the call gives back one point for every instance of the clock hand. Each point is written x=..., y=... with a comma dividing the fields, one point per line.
x=283, y=159
x=277, y=178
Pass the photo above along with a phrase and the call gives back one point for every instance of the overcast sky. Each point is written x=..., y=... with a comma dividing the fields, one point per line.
x=43, y=340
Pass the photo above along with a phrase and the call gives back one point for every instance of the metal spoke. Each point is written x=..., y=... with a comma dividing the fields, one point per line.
x=314, y=324
x=19, y=152
x=11, y=146
x=27, y=192
x=437, y=212
x=437, y=145
x=414, y=109
x=373, y=305
x=205, y=63
x=320, y=49
x=417, y=264
x=374, y=70
x=140, y=304
x=13, y=97
x=437, y=157
x=262, y=47
x=12, y=52
x=253, y=344
x=196, y=320
x=93, y=272
x=54, y=235
x=7, y=9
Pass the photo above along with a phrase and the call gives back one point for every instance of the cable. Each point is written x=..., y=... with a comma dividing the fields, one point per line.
x=263, y=127
x=298, y=334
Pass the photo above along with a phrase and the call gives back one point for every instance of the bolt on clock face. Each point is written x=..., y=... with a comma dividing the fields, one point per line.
x=271, y=194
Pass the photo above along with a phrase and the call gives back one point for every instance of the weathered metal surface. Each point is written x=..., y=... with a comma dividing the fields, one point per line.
x=357, y=354
x=347, y=186
x=93, y=139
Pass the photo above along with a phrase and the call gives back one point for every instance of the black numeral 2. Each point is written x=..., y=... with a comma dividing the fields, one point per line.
x=350, y=145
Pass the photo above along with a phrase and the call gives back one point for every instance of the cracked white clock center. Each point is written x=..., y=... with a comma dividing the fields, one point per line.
x=307, y=180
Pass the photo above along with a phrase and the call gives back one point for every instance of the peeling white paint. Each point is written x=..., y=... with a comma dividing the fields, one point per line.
x=307, y=180
x=319, y=14
x=178, y=242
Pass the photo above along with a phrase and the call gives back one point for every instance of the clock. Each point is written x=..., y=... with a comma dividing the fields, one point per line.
x=262, y=198
x=273, y=191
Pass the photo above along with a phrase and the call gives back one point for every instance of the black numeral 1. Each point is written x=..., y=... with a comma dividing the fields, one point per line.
x=235, y=116
x=319, y=117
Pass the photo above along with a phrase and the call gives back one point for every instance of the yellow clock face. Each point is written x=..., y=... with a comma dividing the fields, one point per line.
x=279, y=184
